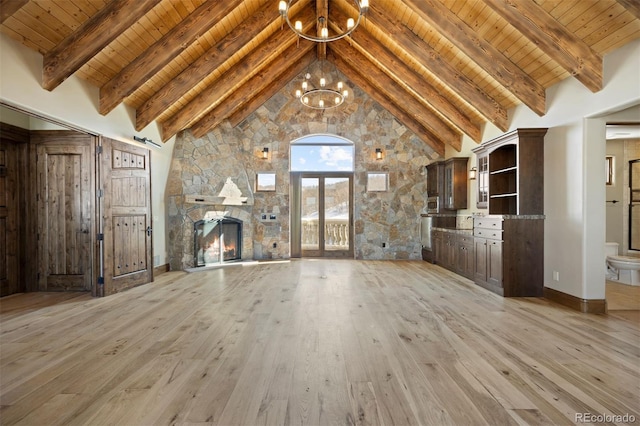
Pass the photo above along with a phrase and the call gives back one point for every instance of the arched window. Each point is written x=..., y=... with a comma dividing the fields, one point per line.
x=322, y=153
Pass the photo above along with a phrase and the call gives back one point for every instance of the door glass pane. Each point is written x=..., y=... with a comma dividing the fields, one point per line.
x=310, y=213
x=336, y=213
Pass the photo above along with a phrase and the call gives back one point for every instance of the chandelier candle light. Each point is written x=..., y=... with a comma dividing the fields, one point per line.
x=323, y=37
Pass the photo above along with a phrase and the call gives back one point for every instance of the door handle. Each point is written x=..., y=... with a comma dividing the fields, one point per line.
x=149, y=231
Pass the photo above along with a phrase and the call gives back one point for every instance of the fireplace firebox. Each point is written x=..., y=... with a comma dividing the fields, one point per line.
x=217, y=241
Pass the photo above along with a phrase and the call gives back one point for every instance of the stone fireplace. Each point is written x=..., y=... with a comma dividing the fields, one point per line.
x=217, y=240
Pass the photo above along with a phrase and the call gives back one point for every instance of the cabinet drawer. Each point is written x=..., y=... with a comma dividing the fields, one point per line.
x=488, y=223
x=494, y=234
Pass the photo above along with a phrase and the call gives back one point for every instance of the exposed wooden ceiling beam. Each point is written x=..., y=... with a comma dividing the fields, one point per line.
x=162, y=52
x=411, y=80
x=9, y=7
x=271, y=78
x=440, y=67
x=569, y=51
x=88, y=40
x=401, y=115
x=211, y=96
x=498, y=66
x=396, y=93
x=207, y=63
x=633, y=6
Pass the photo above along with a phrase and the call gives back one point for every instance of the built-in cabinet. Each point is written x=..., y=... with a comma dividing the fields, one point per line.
x=454, y=251
x=448, y=181
x=515, y=172
x=505, y=252
x=435, y=178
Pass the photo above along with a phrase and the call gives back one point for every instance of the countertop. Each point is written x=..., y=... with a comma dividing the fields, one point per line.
x=458, y=231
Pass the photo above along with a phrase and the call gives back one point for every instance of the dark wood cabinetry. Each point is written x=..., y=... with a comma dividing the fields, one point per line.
x=482, y=175
x=447, y=180
x=454, y=251
x=515, y=172
x=455, y=183
x=465, y=256
x=435, y=179
x=509, y=244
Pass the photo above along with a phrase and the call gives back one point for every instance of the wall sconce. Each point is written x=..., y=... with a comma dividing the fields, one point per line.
x=473, y=173
x=265, y=153
x=378, y=153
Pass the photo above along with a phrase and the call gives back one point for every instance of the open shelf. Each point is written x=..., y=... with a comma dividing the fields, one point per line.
x=507, y=170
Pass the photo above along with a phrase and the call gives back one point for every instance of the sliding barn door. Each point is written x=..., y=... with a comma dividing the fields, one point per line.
x=65, y=210
x=9, y=220
x=125, y=174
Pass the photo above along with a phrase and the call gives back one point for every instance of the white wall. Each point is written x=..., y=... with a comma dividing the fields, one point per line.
x=574, y=174
x=75, y=102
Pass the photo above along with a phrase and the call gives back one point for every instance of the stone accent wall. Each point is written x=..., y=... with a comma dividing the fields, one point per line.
x=201, y=167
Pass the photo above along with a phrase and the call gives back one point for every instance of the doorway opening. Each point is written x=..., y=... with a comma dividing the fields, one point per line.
x=322, y=197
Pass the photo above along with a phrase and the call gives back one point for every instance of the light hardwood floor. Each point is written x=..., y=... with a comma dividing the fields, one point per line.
x=312, y=342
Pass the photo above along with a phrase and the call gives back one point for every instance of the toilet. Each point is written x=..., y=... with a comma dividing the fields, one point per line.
x=623, y=269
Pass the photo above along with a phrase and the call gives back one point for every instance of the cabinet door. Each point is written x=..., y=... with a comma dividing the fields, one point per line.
x=432, y=180
x=448, y=186
x=483, y=182
x=480, y=263
x=465, y=257
x=494, y=263
x=451, y=255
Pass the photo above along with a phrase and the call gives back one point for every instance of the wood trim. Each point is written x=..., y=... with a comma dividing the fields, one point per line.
x=13, y=133
x=9, y=7
x=266, y=77
x=482, y=52
x=632, y=7
x=263, y=57
x=193, y=75
x=163, y=51
x=568, y=50
x=403, y=117
x=161, y=269
x=411, y=81
x=88, y=40
x=588, y=306
x=455, y=80
x=385, y=85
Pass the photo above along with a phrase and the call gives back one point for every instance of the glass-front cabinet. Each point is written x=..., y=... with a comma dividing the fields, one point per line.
x=483, y=182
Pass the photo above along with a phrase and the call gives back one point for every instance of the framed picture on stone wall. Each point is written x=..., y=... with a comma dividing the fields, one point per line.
x=265, y=182
x=377, y=181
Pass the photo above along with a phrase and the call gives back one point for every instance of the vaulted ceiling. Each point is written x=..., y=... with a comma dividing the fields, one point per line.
x=442, y=67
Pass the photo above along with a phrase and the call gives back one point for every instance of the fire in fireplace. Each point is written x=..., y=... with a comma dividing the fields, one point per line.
x=217, y=240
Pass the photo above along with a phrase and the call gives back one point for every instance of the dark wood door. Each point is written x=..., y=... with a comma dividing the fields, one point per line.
x=9, y=220
x=126, y=216
x=65, y=203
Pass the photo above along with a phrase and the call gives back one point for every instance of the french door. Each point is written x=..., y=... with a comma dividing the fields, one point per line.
x=322, y=216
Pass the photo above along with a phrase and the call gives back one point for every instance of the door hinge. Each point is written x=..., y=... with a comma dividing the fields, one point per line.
x=100, y=237
x=99, y=149
x=100, y=193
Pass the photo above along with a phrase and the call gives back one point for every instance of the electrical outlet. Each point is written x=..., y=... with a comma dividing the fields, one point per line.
x=556, y=276
x=275, y=245
x=384, y=245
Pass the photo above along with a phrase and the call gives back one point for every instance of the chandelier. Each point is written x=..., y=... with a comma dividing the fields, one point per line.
x=321, y=97
x=323, y=23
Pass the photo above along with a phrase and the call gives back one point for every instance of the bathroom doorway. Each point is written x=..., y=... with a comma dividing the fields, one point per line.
x=622, y=164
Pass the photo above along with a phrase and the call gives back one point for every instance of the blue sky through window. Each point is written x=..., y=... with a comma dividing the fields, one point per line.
x=322, y=153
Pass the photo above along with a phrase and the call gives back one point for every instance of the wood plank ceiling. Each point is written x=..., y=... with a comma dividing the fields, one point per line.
x=442, y=67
